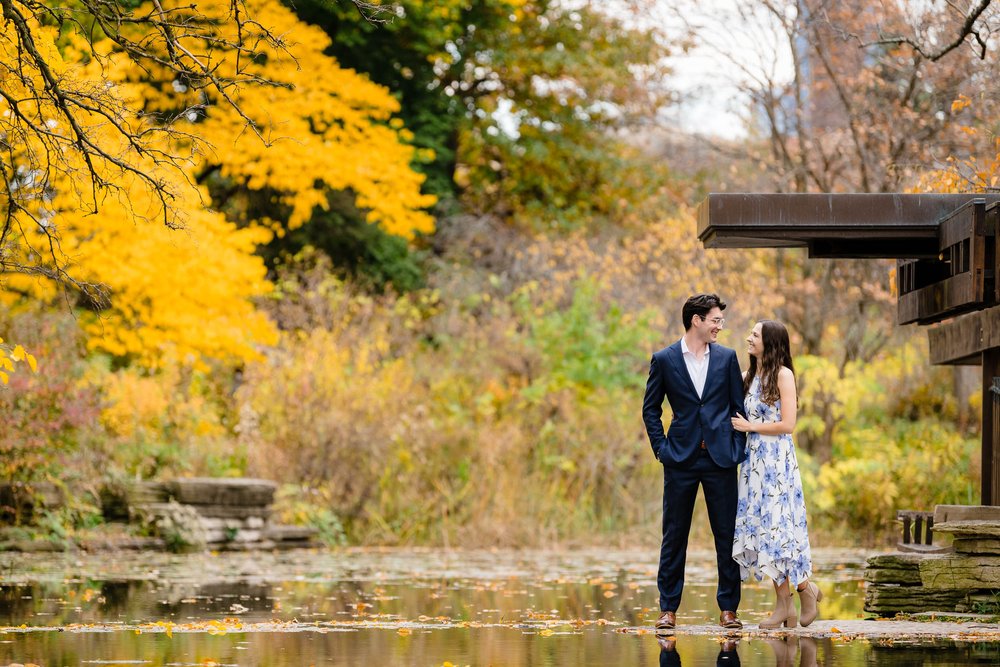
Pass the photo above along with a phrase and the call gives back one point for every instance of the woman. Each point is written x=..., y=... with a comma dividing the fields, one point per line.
x=771, y=533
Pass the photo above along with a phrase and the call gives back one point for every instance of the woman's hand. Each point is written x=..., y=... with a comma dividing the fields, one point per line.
x=741, y=424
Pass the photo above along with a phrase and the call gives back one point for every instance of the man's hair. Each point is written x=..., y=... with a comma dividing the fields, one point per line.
x=699, y=305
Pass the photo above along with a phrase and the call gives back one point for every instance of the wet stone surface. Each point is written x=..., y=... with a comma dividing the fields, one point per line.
x=429, y=607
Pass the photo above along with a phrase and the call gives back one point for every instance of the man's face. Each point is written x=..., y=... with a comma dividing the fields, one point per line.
x=707, y=328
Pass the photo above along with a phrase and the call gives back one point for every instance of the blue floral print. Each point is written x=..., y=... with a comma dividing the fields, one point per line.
x=772, y=535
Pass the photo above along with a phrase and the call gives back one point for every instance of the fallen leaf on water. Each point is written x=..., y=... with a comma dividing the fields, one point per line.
x=404, y=632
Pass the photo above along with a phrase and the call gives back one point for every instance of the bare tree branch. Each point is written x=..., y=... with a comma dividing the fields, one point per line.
x=83, y=135
x=968, y=28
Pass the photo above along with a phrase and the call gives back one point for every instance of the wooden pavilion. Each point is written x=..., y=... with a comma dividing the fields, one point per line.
x=946, y=249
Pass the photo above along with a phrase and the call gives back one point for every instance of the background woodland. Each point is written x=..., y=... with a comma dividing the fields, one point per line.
x=411, y=260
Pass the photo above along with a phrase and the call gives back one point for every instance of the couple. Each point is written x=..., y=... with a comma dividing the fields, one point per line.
x=721, y=419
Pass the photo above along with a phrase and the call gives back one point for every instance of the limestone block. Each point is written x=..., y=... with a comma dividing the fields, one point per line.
x=223, y=491
x=214, y=523
x=970, y=527
x=234, y=511
x=949, y=513
x=906, y=577
x=977, y=545
x=887, y=600
x=289, y=533
x=960, y=572
x=226, y=536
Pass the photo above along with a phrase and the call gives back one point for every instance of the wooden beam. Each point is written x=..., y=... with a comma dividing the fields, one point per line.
x=901, y=226
x=991, y=427
x=961, y=279
x=962, y=340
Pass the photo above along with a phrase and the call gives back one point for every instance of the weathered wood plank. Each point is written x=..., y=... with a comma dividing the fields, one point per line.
x=961, y=341
x=950, y=296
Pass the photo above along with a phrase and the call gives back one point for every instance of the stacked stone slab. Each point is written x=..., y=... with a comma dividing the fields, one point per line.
x=224, y=513
x=959, y=580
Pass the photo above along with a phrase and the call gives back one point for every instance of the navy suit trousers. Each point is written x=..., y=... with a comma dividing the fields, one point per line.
x=680, y=489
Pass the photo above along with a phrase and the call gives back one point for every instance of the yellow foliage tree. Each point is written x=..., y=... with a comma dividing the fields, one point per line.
x=10, y=356
x=183, y=291
x=318, y=127
x=176, y=295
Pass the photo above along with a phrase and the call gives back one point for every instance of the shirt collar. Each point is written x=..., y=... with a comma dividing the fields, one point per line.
x=686, y=350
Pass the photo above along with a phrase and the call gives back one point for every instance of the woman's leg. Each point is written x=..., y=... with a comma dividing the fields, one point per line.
x=784, y=608
x=809, y=597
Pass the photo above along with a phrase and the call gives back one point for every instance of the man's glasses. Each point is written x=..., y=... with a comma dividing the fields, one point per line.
x=716, y=322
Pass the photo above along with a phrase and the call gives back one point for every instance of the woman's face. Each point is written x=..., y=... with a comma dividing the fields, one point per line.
x=755, y=344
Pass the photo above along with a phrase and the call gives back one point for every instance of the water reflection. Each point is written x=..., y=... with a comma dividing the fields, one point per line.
x=403, y=608
x=728, y=655
x=481, y=647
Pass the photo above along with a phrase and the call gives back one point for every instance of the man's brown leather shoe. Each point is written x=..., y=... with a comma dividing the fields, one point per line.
x=666, y=621
x=728, y=620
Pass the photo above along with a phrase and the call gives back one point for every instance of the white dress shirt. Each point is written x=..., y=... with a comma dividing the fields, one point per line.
x=697, y=368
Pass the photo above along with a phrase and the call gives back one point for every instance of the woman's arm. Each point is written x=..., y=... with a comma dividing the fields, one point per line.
x=789, y=409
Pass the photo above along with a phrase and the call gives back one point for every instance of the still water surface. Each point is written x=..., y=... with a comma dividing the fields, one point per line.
x=414, y=607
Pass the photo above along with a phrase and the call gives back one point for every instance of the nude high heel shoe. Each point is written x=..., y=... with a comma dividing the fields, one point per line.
x=809, y=598
x=783, y=614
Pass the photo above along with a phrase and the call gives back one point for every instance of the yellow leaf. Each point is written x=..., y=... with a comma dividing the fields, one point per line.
x=404, y=632
x=546, y=633
x=18, y=353
x=3, y=377
x=32, y=363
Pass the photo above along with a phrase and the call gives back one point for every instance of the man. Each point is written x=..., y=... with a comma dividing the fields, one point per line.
x=702, y=382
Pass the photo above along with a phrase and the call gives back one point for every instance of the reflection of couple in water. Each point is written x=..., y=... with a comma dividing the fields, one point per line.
x=785, y=649
x=721, y=419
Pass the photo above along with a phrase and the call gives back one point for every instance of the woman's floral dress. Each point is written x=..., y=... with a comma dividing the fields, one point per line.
x=771, y=532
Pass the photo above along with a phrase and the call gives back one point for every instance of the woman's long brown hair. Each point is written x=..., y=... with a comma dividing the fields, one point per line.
x=777, y=353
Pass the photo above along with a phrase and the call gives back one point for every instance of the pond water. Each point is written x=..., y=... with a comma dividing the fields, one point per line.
x=412, y=607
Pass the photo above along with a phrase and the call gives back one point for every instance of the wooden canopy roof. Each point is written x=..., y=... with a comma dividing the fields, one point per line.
x=896, y=226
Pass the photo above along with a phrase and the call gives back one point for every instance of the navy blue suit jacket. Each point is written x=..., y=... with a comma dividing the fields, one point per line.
x=695, y=419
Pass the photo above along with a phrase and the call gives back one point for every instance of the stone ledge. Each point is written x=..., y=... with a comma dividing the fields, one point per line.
x=951, y=513
x=970, y=527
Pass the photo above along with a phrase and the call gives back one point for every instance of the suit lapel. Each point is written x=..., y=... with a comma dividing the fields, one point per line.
x=676, y=358
x=714, y=364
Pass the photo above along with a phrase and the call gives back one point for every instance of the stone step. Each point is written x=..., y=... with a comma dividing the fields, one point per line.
x=239, y=491
x=888, y=600
x=904, y=577
x=233, y=512
x=970, y=527
x=976, y=545
x=281, y=533
x=949, y=513
x=960, y=572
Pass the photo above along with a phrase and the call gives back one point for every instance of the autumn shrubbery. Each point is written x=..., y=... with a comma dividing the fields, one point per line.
x=896, y=444
x=467, y=420
x=486, y=408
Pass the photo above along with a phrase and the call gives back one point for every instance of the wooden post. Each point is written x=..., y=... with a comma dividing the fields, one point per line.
x=991, y=426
